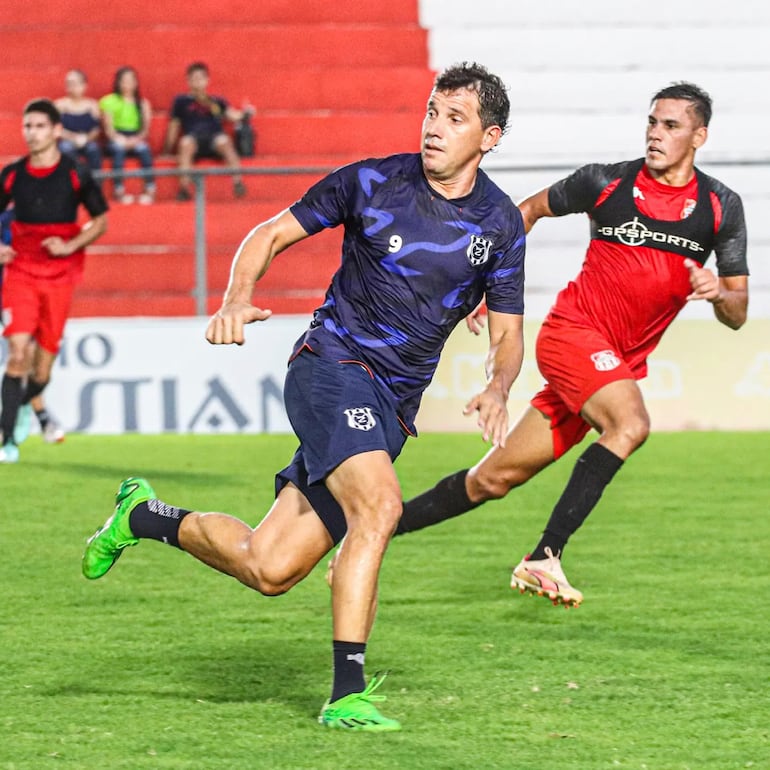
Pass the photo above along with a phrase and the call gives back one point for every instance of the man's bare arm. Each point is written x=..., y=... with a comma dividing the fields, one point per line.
x=172, y=134
x=58, y=247
x=729, y=295
x=506, y=352
x=535, y=207
x=732, y=304
x=250, y=263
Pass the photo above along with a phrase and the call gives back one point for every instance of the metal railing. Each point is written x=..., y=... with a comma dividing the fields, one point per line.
x=198, y=177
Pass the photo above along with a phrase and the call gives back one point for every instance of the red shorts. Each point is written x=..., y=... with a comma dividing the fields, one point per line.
x=36, y=307
x=576, y=361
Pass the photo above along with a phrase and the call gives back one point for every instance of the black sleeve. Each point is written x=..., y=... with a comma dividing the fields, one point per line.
x=91, y=195
x=730, y=244
x=177, y=108
x=579, y=191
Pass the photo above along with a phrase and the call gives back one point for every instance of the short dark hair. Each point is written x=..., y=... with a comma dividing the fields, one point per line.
x=46, y=106
x=195, y=66
x=699, y=100
x=494, y=106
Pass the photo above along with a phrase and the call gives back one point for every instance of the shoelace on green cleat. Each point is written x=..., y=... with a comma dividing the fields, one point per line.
x=357, y=710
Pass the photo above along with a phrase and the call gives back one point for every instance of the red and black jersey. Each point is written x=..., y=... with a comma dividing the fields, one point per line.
x=633, y=281
x=46, y=202
x=49, y=195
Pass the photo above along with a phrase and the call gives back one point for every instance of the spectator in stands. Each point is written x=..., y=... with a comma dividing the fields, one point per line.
x=127, y=116
x=80, y=121
x=197, y=125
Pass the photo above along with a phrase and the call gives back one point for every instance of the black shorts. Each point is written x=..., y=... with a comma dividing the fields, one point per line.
x=337, y=411
x=206, y=145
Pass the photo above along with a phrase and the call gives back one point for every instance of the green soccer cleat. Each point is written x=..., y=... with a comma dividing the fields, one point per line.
x=107, y=543
x=358, y=712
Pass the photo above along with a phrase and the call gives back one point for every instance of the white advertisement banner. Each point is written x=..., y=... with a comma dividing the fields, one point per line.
x=118, y=375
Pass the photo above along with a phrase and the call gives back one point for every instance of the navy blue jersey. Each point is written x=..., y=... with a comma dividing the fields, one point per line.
x=413, y=265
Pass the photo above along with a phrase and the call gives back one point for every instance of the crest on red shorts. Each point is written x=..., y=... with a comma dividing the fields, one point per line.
x=360, y=418
x=478, y=250
x=605, y=360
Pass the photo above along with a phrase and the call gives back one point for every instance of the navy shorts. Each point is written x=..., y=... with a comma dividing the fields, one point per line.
x=337, y=410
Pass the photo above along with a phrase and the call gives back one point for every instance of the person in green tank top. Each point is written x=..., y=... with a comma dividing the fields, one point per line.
x=126, y=116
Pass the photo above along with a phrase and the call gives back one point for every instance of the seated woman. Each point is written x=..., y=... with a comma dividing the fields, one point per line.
x=126, y=117
x=80, y=121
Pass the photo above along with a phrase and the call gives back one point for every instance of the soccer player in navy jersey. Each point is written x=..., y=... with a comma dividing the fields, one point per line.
x=426, y=235
x=44, y=262
x=654, y=223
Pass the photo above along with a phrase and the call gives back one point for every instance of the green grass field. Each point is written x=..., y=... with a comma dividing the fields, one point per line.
x=166, y=664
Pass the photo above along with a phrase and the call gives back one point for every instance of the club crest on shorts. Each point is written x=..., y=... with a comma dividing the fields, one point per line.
x=605, y=360
x=360, y=418
x=478, y=250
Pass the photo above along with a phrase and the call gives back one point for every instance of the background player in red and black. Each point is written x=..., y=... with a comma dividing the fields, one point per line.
x=654, y=222
x=46, y=258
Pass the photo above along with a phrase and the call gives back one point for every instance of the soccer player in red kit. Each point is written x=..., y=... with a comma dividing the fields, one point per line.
x=45, y=260
x=654, y=222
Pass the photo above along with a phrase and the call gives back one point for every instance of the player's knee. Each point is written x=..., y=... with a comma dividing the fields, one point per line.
x=633, y=431
x=271, y=578
x=484, y=484
x=377, y=518
x=17, y=363
x=639, y=429
x=41, y=381
x=270, y=584
x=187, y=146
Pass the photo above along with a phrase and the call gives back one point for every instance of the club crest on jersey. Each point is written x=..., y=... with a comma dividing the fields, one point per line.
x=605, y=360
x=360, y=418
x=478, y=250
x=689, y=207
